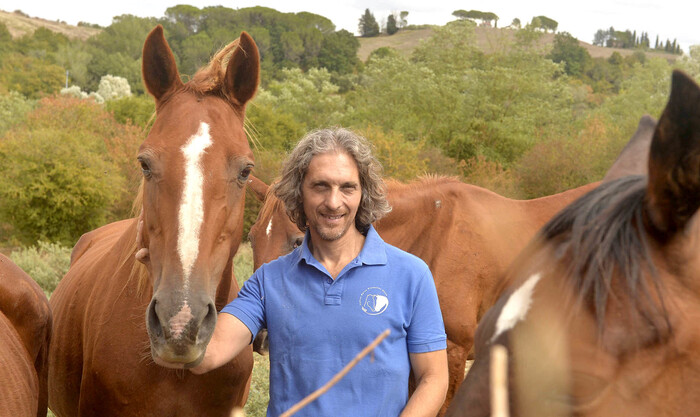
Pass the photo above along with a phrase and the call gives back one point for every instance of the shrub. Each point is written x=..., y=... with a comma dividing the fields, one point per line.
x=64, y=171
x=112, y=87
x=13, y=109
x=45, y=262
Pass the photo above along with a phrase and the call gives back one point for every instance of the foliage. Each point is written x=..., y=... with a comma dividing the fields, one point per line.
x=368, y=25
x=310, y=98
x=463, y=102
x=30, y=76
x=112, y=87
x=56, y=198
x=137, y=110
x=338, y=53
x=13, y=110
x=544, y=23
x=391, y=26
x=80, y=186
x=567, y=50
x=401, y=159
x=45, y=262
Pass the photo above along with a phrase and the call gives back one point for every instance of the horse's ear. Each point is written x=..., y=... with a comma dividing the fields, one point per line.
x=243, y=71
x=258, y=187
x=159, y=69
x=673, y=192
x=634, y=158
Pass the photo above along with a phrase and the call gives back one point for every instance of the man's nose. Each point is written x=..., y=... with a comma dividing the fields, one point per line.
x=334, y=200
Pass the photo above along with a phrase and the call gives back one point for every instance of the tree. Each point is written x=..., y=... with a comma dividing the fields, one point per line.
x=391, y=27
x=566, y=49
x=403, y=22
x=368, y=25
x=338, y=52
x=461, y=14
x=516, y=23
x=545, y=23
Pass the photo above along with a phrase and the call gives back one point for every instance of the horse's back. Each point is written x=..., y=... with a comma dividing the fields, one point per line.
x=25, y=331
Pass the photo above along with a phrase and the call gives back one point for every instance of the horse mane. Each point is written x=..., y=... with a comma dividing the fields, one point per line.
x=420, y=182
x=210, y=78
x=603, y=233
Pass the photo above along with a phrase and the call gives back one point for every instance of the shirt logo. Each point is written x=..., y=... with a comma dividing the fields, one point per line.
x=374, y=301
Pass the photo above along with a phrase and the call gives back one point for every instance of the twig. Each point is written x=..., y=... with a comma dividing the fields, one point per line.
x=303, y=403
x=499, y=381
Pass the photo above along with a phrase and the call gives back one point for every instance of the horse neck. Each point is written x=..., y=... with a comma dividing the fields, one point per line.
x=415, y=209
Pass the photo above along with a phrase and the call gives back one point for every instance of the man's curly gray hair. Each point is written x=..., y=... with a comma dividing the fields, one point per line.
x=373, y=205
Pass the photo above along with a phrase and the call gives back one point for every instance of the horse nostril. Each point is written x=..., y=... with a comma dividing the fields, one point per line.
x=152, y=320
x=211, y=313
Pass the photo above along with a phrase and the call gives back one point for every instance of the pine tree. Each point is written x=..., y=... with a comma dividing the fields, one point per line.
x=391, y=27
x=368, y=25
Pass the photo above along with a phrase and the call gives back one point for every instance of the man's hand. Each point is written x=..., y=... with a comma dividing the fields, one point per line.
x=230, y=337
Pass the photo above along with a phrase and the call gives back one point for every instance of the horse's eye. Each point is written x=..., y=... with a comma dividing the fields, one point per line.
x=145, y=168
x=298, y=241
x=245, y=173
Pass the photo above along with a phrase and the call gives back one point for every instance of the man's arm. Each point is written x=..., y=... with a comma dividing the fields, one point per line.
x=230, y=337
x=430, y=372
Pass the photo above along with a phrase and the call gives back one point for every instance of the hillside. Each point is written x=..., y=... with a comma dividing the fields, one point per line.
x=20, y=25
x=488, y=39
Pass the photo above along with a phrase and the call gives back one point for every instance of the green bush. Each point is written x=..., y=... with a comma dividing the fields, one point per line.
x=46, y=263
x=13, y=109
x=57, y=176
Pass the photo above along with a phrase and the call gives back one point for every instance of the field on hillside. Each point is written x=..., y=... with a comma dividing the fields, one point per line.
x=488, y=40
x=19, y=25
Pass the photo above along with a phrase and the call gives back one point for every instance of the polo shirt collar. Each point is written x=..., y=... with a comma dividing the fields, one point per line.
x=373, y=251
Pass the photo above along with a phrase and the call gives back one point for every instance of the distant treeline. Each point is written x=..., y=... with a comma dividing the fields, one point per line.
x=286, y=40
x=612, y=38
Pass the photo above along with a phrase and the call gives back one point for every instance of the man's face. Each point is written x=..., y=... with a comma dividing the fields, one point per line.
x=331, y=195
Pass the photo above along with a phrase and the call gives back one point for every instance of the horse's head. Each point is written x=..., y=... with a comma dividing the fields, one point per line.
x=598, y=314
x=196, y=162
x=273, y=234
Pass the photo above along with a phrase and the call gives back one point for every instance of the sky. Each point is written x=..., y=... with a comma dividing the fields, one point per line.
x=669, y=19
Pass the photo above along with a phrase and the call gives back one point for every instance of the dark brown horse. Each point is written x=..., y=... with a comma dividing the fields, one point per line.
x=25, y=332
x=117, y=319
x=466, y=234
x=600, y=313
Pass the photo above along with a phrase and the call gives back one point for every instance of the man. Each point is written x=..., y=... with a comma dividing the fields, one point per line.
x=329, y=298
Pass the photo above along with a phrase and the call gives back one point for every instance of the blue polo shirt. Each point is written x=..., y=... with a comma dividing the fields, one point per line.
x=316, y=325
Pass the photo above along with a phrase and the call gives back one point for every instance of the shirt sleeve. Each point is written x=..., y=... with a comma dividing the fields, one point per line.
x=426, y=332
x=249, y=306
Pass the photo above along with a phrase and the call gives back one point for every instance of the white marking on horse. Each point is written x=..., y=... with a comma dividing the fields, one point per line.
x=516, y=307
x=191, y=213
x=438, y=203
x=179, y=321
x=269, y=228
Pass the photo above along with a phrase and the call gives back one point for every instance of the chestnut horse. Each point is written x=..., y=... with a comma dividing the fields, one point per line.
x=115, y=319
x=466, y=234
x=25, y=332
x=600, y=313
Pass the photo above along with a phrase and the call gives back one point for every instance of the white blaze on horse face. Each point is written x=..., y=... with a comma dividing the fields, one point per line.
x=269, y=228
x=516, y=307
x=191, y=213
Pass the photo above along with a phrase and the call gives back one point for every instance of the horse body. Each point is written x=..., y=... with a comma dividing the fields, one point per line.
x=599, y=313
x=25, y=332
x=466, y=234
x=144, y=292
